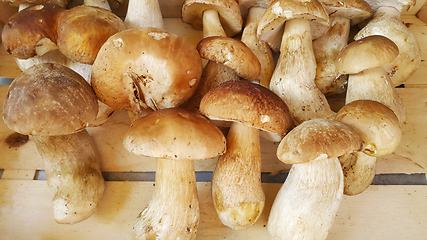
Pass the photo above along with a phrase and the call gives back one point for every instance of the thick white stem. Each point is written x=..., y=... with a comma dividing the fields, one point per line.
x=293, y=77
x=143, y=13
x=98, y=3
x=359, y=172
x=307, y=202
x=211, y=24
x=173, y=211
x=236, y=184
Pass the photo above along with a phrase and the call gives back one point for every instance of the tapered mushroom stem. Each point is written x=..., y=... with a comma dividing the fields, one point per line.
x=211, y=24
x=236, y=184
x=307, y=202
x=359, y=171
x=293, y=77
x=143, y=13
x=173, y=211
x=73, y=173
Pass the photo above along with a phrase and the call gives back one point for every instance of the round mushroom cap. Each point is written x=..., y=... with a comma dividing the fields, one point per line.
x=247, y=103
x=355, y=10
x=29, y=28
x=318, y=138
x=271, y=26
x=61, y=3
x=232, y=53
x=82, y=30
x=49, y=99
x=146, y=68
x=228, y=10
x=375, y=122
x=366, y=53
x=175, y=133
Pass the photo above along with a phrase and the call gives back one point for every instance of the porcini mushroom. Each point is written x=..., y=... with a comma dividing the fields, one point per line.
x=143, y=13
x=293, y=77
x=175, y=137
x=54, y=104
x=236, y=183
x=306, y=204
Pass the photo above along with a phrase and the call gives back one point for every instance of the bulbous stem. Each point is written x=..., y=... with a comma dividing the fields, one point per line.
x=73, y=173
x=359, y=171
x=173, y=211
x=236, y=184
x=143, y=13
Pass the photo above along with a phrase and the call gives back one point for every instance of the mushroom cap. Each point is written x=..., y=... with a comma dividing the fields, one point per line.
x=49, y=99
x=375, y=122
x=272, y=23
x=400, y=5
x=232, y=53
x=82, y=30
x=366, y=53
x=355, y=10
x=175, y=133
x=244, y=5
x=229, y=14
x=316, y=138
x=146, y=67
x=61, y=3
x=247, y=103
x=28, y=27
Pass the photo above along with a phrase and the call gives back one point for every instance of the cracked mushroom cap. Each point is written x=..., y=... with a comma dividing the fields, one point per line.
x=375, y=122
x=28, y=30
x=175, y=133
x=355, y=10
x=366, y=53
x=316, y=138
x=228, y=10
x=271, y=26
x=248, y=103
x=146, y=68
x=82, y=30
x=49, y=99
x=61, y=3
x=232, y=53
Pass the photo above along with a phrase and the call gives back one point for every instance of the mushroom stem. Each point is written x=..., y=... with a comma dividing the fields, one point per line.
x=359, y=172
x=73, y=173
x=236, y=183
x=98, y=3
x=211, y=24
x=307, y=202
x=173, y=211
x=293, y=77
x=143, y=13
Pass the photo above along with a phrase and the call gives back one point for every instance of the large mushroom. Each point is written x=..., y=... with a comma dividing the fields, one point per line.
x=143, y=13
x=54, y=104
x=236, y=183
x=175, y=137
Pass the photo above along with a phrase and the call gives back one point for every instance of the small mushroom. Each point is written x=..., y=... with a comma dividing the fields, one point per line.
x=236, y=183
x=175, y=137
x=54, y=104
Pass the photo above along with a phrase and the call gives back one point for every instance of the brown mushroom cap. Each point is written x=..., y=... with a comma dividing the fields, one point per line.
x=61, y=3
x=272, y=23
x=30, y=26
x=248, y=103
x=49, y=99
x=355, y=10
x=366, y=53
x=232, y=53
x=375, y=122
x=175, y=133
x=229, y=14
x=318, y=138
x=82, y=30
x=146, y=67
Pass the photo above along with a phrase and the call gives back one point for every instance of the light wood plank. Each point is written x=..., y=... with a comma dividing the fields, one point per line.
x=381, y=213
x=25, y=174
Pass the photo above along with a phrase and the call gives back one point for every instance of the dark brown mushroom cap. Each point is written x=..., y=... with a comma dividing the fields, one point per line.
x=28, y=27
x=61, y=3
x=318, y=138
x=175, y=133
x=82, y=30
x=232, y=53
x=49, y=99
x=229, y=14
x=248, y=103
x=366, y=53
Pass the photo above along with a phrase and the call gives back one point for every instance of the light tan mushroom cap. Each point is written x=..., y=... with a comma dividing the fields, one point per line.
x=366, y=53
x=245, y=5
x=175, y=133
x=317, y=138
x=270, y=28
x=400, y=5
x=82, y=30
x=232, y=53
x=49, y=99
x=229, y=14
x=61, y=3
x=355, y=10
x=147, y=68
x=375, y=122
x=248, y=103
